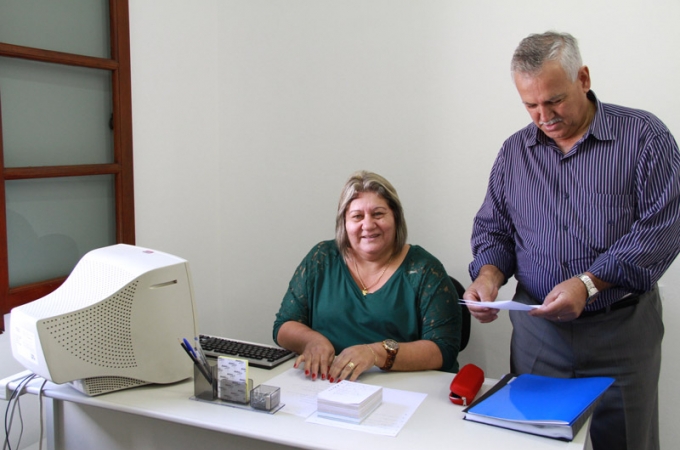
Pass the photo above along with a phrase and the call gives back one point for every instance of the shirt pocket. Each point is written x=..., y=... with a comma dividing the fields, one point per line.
x=608, y=217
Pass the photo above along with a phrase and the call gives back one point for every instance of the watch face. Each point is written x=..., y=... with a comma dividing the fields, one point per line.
x=391, y=344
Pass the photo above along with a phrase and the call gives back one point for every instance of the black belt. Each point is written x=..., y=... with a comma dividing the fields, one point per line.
x=623, y=303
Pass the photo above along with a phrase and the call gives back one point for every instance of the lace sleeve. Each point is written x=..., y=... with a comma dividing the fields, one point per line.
x=295, y=303
x=439, y=310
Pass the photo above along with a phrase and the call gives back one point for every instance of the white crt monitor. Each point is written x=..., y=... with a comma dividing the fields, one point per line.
x=113, y=324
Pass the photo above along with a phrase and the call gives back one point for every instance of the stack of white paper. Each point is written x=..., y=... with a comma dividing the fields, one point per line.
x=349, y=401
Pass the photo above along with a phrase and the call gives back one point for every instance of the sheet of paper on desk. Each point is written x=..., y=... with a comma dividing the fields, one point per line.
x=298, y=393
x=501, y=304
x=397, y=407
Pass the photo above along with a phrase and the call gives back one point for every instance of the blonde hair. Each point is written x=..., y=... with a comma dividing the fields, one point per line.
x=364, y=181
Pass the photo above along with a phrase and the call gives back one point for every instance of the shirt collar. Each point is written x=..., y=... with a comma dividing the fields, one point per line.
x=599, y=128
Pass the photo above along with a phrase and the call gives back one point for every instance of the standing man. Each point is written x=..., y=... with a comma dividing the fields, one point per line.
x=583, y=208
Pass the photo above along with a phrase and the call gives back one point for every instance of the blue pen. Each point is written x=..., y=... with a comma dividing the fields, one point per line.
x=190, y=348
x=198, y=354
x=205, y=371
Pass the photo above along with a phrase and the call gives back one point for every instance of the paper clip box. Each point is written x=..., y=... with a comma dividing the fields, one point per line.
x=265, y=397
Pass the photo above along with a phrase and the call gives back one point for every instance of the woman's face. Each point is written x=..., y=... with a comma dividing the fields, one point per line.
x=370, y=226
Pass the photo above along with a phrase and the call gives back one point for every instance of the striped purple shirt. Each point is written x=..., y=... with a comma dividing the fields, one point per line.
x=611, y=206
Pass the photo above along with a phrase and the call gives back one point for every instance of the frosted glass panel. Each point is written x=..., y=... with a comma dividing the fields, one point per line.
x=53, y=222
x=54, y=114
x=71, y=26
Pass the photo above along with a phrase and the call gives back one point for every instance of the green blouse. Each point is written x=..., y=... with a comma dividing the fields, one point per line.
x=418, y=302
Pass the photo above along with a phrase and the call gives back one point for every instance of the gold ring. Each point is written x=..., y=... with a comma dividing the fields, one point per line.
x=350, y=365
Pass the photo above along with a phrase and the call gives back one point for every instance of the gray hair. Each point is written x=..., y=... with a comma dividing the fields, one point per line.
x=537, y=49
x=364, y=181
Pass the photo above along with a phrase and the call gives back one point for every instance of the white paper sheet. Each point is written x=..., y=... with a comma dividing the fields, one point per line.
x=388, y=419
x=298, y=393
x=501, y=304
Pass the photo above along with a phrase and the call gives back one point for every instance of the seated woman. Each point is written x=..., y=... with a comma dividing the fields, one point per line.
x=367, y=298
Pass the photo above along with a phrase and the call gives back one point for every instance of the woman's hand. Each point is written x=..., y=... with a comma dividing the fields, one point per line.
x=315, y=350
x=317, y=357
x=351, y=362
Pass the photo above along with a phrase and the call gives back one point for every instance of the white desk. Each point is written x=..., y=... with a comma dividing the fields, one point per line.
x=163, y=417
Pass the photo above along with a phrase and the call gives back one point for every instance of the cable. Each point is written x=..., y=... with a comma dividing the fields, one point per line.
x=40, y=397
x=9, y=416
x=15, y=396
x=21, y=421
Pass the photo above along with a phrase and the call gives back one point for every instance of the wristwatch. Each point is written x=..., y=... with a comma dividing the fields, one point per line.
x=590, y=287
x=391, y=347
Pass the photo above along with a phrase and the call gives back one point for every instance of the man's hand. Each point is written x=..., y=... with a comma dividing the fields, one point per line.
x=568, y=299
x=564, y=303
x=485, y=289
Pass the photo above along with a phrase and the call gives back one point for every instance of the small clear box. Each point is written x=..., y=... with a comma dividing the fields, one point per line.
x=202, y=387
x=265, y=397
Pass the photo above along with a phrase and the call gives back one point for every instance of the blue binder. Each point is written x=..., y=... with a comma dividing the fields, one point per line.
x=547, y=406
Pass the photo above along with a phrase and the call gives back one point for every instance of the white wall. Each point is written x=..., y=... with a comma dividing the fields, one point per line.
x=249, y=115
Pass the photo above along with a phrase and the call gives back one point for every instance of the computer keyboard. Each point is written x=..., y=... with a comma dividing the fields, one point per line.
x=258, y=355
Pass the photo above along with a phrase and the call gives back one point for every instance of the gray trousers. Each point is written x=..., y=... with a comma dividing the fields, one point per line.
x=624, y=344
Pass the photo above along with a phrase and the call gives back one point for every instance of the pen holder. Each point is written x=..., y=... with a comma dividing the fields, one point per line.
x=223, y=389
x=265, y=399
x=203, y=389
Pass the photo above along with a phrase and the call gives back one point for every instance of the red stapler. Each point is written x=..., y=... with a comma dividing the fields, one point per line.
x=466, y=384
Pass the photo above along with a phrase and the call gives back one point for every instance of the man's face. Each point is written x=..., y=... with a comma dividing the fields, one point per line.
x=557, y=105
